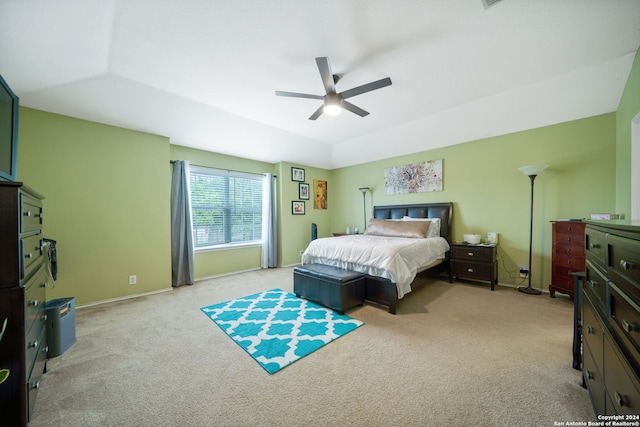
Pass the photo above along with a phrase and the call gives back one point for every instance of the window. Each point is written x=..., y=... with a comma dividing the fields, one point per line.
x=226, y=207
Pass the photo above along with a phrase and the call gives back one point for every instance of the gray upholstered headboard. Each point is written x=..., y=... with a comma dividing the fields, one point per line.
x=444, y=211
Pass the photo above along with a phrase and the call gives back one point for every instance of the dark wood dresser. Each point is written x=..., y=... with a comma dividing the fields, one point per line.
x=567, y=255
x=475, y=262
x=23, y=281
x=611, y=316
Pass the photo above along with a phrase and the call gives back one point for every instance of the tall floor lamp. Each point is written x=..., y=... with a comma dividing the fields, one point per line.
x=531, y=171
x=364, y=205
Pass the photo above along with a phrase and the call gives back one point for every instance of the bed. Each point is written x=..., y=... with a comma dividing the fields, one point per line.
x=389, y=276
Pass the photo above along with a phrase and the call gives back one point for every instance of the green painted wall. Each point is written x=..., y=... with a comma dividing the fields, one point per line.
x=628, y=108
x=106, y=203
x=491, y=195
x=295, y=230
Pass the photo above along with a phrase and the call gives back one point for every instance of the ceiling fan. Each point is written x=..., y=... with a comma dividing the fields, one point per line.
x=335, y=102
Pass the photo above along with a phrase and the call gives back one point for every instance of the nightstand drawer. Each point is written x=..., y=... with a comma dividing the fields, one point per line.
x=472, y=253
x=472, y=270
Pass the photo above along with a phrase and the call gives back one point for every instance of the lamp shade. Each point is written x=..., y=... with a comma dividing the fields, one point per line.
x=532, y=169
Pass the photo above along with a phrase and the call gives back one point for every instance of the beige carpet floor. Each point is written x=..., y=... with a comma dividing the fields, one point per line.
x=455, y=354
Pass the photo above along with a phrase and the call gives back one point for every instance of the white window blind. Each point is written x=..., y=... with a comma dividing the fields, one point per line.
x=226, y=207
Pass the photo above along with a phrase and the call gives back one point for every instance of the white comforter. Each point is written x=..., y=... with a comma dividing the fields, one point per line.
x=394, y=258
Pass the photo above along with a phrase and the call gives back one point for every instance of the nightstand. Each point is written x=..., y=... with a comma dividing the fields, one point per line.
x=475, y=262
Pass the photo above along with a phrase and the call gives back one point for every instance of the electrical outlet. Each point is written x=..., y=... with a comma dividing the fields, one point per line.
x=132, y=280
x=524, y=272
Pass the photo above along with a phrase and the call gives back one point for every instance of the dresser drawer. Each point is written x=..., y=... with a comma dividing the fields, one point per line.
x=35, y=375
x=31, y=254
x=568, y=251
x=621, y=383
x=472, y=253
x=566, y=264
x=625, y=320
x=571, y=240
x=592, y=331
x=624, y=266
x=569, y=227
x=596, y=246
x=595, y=286
x=594, y=381
x=30, y=214
x=34, y=342
x=35, y=297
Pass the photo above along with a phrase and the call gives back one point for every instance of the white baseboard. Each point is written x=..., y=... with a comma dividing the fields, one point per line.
x=144, y=294
x=233, y=273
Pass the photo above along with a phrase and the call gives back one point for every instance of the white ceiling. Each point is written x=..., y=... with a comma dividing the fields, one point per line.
x=204, y=72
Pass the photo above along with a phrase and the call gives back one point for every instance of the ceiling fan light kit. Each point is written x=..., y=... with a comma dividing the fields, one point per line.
x=335, y=102
x=332, y=105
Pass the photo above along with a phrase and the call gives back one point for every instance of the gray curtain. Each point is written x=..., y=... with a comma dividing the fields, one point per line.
x=181, y=226
x=269, y=237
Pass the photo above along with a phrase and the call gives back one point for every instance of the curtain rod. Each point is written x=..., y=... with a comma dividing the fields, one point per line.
x=220, y=169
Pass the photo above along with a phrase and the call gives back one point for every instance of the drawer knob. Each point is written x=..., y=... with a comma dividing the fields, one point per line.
x=470, y=253
x=44, y=318
x=29, y=255
x=590, y=375
x=35, y=386
x=593, y=283
x=45, y=349
x=625, y=265
x=33, y=344
x=469, y=270
x=629, y=326
x=33, y=303
x=589, y=330
x=27, y=213
x=620, y=400
x=594, y=246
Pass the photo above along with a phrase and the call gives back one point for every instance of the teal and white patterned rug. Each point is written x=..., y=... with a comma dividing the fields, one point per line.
x=277, y=328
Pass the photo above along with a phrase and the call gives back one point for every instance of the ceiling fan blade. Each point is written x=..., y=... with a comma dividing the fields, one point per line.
x=349, y=106
x=298, y=95
x=366, y=88
x=326, y=74
x=317, y=113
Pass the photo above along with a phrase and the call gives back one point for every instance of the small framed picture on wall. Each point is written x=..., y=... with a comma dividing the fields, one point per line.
x=297, y=207
x=297, y=174
x=303, y=191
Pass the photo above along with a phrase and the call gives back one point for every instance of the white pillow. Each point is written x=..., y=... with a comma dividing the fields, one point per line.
x=434, y=227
